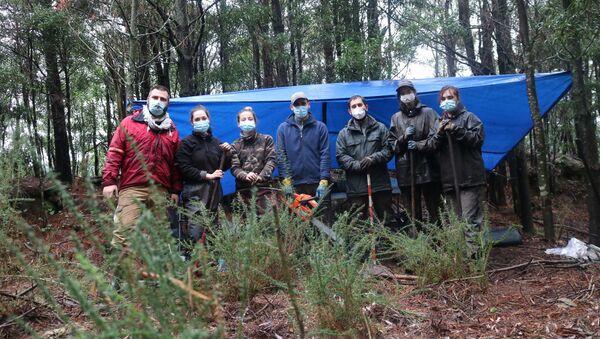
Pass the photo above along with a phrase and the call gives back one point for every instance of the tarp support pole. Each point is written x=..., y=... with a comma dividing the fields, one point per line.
x=324, y=110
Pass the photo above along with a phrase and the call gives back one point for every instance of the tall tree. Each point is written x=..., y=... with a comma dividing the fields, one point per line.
x=464, y=19
x=50, y=32
x=503, y=40
x=585, y=124
x=449, y=43
x=486, y=50
x=374, y=39
x=541, y=148
x=280, y=39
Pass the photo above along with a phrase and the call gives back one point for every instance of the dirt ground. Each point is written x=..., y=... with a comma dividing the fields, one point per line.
x=528, y=293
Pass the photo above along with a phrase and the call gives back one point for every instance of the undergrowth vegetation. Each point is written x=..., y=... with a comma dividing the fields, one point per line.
x=328, y=283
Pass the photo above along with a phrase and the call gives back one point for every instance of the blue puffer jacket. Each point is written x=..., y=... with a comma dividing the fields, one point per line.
x=303, y=153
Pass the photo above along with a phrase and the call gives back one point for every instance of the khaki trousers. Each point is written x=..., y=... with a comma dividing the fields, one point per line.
x=129, y=209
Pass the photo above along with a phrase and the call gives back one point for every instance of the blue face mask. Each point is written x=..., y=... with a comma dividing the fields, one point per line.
x=300, y=112
x=201, y=126
x=156, y=107
x=448, y=105
x=247, y=126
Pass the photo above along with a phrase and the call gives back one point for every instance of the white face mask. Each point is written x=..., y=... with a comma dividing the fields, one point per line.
x=407, y=98
x=359, y=113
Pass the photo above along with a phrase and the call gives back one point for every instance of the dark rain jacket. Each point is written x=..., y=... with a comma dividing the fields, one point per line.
x=352, y=145
x=303, y=153
x=198, y=156
x=467, y=139
x=424, y=119
x=253, y=153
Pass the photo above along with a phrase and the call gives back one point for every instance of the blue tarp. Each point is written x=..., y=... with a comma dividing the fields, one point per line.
x=500, y=101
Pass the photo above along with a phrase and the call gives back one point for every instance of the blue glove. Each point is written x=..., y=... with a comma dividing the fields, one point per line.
x=410, y=130
x=412, y=145
x=322, y=189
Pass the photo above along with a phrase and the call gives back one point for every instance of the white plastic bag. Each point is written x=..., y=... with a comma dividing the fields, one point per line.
x=575, y=249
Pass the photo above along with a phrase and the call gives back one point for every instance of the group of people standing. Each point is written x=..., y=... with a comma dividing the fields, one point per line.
x=435, y=157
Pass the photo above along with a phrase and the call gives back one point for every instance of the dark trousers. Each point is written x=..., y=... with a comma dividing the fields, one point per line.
x=324, y=210
x=263, y=198
x=432, y=192
x=471, y=200
x=382, y=205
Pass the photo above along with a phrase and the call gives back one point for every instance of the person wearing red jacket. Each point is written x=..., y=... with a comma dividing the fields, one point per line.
x=140, y=160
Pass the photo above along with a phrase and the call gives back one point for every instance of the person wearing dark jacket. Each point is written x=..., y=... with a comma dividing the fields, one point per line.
x=362, y=148
x=409, y=130
x=148, y=134
x=253, y=158
x=199, y=158
x=458, y=139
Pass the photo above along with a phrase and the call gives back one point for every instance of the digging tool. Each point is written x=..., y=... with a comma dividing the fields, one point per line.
x=213, y=195
x=454, y=174
x=413, y=202
x=370, y=195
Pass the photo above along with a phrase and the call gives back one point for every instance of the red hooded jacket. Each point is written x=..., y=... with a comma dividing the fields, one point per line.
x=142, y=154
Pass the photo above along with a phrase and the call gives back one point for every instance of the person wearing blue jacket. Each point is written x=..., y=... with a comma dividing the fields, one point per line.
x=303, y=150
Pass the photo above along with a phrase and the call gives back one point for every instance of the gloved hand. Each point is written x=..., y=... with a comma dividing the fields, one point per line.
x=450, y=127
x=410, y=131
x=286, y=186
x=442, y=126
x=366, y=163
x=322, y=189
x=412, y=145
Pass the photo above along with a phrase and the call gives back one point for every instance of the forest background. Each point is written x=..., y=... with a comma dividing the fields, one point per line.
x=69, y=68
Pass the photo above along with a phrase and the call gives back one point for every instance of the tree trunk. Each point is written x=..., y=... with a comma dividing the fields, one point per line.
x=133, y=55
x=185, y=53
x=504, y=50
x=109, y=127
x=486, y=53
x=280, y=42
x=255, y=56
x=541, y=147
x=223, y=43
x=525, y=213
x=144, y=68
x=464, y=16
x=116, y=75
x=161, y=69
x=375, y=60
x=64, y=62
x=450, y=44
x=327, y=41
x=56, y=103
x=585, y=127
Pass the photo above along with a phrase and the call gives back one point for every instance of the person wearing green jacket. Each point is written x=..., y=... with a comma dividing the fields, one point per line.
x=362, y=148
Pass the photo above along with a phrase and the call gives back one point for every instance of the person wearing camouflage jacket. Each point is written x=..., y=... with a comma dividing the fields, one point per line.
x=410, y=128
x=253, y=158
